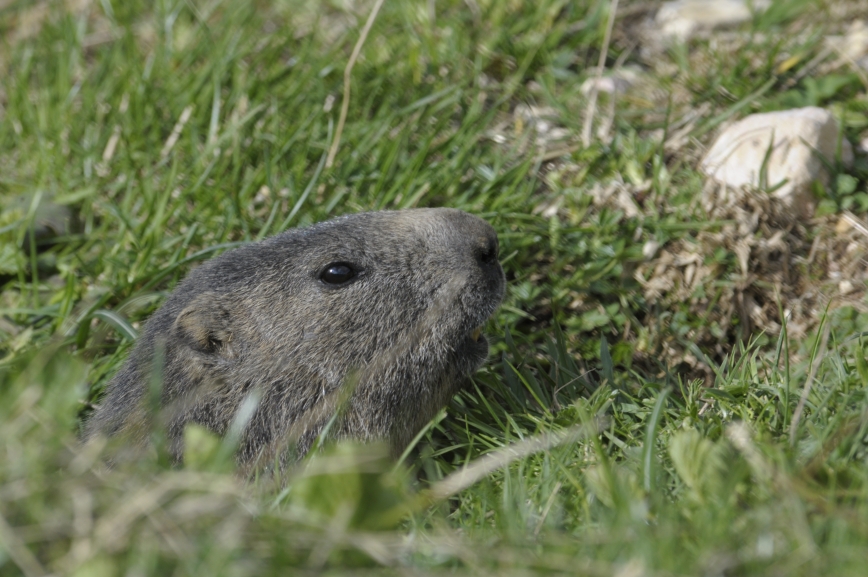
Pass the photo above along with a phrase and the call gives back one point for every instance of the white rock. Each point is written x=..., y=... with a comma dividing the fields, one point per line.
x=795, y=136
x=681, y=19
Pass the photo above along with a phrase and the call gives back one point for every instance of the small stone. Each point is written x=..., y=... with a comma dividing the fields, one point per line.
x=681, y=19
x=262, y=194
x=544, y=120
x=649, y=249
x=796, y=138
x=689, y=272
x=616, y=82
x=845, y=287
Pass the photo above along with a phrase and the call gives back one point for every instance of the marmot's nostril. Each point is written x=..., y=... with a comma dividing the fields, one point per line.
x=488, y=251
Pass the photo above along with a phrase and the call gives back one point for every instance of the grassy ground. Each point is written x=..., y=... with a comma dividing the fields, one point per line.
x=668, y=422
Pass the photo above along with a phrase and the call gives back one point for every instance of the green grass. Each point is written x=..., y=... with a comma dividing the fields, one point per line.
x=670, y=438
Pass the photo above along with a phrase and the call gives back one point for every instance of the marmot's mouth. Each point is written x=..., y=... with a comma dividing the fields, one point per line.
x=474, y=348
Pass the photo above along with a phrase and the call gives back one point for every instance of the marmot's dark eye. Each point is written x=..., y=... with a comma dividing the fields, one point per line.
x=337, y=273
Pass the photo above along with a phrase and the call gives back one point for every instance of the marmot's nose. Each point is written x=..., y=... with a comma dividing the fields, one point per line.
x=487, y=248
x=472, y=237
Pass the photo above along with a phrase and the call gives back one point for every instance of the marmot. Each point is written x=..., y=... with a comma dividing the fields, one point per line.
x=376, y=315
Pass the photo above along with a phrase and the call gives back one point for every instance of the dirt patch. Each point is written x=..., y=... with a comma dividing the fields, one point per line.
x=762, y=262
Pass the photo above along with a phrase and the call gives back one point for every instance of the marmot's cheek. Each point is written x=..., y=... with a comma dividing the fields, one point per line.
x=473, y=350
x=489, y=289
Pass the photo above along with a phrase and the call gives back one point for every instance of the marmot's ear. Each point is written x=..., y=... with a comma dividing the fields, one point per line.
x=206, y=324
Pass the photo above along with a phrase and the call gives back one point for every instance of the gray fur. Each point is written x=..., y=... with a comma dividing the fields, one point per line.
x=388, y=349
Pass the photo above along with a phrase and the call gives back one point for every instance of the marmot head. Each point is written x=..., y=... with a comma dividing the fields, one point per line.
x=375, y=315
